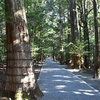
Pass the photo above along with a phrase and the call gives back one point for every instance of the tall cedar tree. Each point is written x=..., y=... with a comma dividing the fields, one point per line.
x=20, y=77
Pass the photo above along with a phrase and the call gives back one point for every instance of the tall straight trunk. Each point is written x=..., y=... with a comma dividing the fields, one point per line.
x=86, y=32
x=86, y=39
x=74, y=28
x=53, y=44
x=61, y=34
x=73, y=21
x=60, y=24
x=68, y=38
x=19, y=74
x=96, y=40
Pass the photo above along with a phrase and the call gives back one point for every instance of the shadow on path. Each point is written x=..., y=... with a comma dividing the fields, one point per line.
x=59, y=84
x=88, y=78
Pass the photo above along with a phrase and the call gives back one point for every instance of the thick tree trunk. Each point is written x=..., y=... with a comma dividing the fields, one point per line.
x=19, y=73
x=73, y=21
x=96, y=40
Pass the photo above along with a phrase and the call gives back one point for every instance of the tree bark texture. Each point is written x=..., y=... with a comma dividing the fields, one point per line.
x=19, y=74
x=73, y=20
x=96, y=39
x=84, y=17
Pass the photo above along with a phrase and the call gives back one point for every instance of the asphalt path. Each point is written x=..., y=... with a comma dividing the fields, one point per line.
x=59, y=84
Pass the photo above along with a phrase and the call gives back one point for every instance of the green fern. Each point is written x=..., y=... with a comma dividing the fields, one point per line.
x=78, y=48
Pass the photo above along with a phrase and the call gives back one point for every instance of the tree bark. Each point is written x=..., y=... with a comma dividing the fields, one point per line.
x=86, y=32
x=96, y=40
x=73, y=21
x=19, y=73
x=61, y=34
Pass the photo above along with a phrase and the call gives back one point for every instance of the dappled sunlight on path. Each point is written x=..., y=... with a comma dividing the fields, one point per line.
x=59, y=84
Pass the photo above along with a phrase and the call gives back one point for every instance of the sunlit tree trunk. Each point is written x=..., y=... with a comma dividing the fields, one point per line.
x=19, y=74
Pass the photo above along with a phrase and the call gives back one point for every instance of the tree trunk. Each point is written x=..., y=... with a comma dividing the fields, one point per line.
x=86, y=39
x=96, y=40
x=20, y=77
x=60, y=24
x=73, y=21
x=61, y=34
x=86, y=33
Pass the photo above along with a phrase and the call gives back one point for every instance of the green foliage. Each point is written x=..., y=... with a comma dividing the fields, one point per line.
x=2, y=32
x=78, y=48
x=44, y=28
x=2, y=48
x=22, y=96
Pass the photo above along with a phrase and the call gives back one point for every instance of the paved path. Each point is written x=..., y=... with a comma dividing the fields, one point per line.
x=59, y=84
